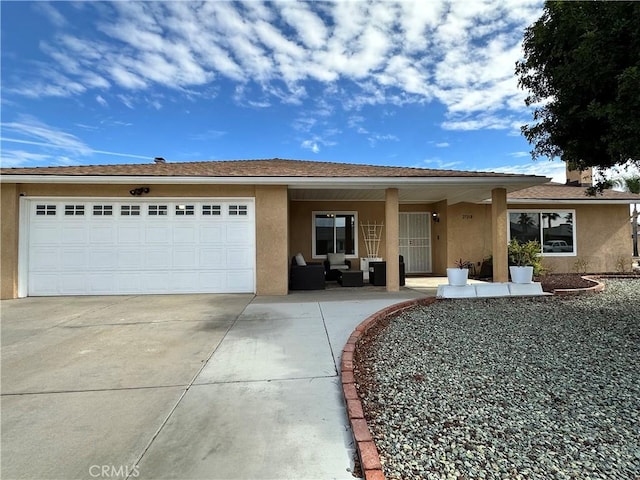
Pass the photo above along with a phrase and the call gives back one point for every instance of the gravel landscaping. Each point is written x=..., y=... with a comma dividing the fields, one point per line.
x=507, y=388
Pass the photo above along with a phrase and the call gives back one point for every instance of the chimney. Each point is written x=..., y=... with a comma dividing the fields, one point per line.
x=159, y=160
x=579, y=178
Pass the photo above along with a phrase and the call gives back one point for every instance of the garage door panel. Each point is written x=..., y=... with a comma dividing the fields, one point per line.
x=44, y=259
x=103, y=283
x=185, y=234
x=43, y=284
x=74, y=234
x=44, y=234
x=74, y=259
x=122, y=247
x=213, y=281
x=102, y=258
x=155, y=234
x=72, y=284
x=130, y=234
x=185, y=258
x=103, y=234
x=184, y=282
x=239, y=280
x=130, y=282
x=158, y=282
x=157, y=258
x=212, y=234
x=238, y=234
x=239, y=259
x=129, y=258
x=213, y=258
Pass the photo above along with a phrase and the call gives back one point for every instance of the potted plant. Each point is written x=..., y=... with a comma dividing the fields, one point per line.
x=458, y=276
x=524, y=260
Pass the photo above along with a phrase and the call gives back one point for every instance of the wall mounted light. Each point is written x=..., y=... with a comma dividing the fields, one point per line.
x=435, y=217
x=139, y=191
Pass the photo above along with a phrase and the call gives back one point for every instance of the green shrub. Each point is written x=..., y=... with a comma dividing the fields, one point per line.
x=526, y=254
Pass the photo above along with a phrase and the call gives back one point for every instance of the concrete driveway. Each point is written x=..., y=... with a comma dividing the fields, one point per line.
x=181, y=386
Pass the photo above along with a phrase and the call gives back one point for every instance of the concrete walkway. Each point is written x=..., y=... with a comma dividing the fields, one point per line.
x=198, y=387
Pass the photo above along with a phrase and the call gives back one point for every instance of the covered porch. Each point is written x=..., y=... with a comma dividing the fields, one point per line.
x=430, y=222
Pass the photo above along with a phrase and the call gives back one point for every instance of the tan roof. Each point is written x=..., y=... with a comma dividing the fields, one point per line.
x=275, y=167
x=561, y=192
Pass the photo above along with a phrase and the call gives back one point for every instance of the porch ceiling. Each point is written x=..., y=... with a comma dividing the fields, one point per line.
x=452, y=193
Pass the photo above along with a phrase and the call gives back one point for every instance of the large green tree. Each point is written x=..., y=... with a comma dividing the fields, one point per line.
x=581, y=69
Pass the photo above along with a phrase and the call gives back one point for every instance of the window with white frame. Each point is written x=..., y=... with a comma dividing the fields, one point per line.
x=554, y=229
x=335, y=232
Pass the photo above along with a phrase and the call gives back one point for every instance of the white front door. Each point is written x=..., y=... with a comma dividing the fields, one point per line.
x=82, y=246
x=415, y=242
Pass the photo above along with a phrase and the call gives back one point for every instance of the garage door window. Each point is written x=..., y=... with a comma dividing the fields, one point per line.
x=129, y=210
x=185, y=210
x=74, y=209
x=208, y=210
x=102, y=210
x=235, y=210
x=45, y=209
x=157, y=210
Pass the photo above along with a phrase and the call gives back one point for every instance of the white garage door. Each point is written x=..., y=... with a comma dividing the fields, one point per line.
x=107, y=247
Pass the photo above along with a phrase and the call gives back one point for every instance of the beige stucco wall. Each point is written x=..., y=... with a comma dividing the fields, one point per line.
x=468, y=233
x=272, y=235
x=8, y=241
x=603, y=235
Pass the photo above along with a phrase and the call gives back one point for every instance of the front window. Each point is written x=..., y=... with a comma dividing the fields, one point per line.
x=553, y=229
x=334, y=232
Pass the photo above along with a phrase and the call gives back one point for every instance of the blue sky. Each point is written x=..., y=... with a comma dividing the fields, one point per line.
x=421, y=84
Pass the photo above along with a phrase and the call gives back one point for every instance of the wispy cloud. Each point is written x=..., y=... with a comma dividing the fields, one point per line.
x=57, y=146
x=556, y=170
x=439, y=164
x=311, y=145
x=460, y=54
x=208, y=135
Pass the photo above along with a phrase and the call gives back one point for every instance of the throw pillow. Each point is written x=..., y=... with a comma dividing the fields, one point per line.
x=300, y=260
x=335, y=258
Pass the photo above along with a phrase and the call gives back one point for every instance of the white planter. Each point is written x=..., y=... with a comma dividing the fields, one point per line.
x=457, y=276
x=521, y=274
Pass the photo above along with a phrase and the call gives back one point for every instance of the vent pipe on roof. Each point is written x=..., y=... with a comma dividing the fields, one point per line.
x=159, y=160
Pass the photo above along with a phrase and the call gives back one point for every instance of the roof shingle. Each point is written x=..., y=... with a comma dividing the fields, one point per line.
x=275, y=167
x=562, y=192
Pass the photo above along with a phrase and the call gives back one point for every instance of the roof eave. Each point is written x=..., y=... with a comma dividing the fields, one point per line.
x=565, y=201
x=292, y=182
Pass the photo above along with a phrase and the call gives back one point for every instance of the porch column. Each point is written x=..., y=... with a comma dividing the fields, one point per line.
x=392, y=241
x=272, y=240
x=499, y=234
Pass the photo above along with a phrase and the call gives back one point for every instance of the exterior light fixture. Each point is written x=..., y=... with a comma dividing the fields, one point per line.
x=139, y=191
x=435, y=217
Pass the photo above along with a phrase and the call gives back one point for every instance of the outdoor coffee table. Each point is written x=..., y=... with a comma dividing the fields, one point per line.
x=351, y=278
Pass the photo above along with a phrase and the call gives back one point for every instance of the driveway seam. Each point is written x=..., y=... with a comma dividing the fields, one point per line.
x=91, y=390
x=184, y=392
x=326, y=333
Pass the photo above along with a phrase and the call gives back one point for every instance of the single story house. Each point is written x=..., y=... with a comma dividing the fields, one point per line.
x=233, y=226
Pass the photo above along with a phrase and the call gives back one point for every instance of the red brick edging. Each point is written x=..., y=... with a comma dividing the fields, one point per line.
x=367, y=451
